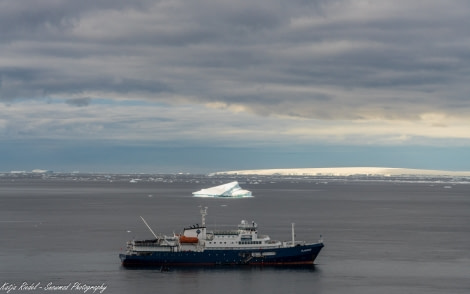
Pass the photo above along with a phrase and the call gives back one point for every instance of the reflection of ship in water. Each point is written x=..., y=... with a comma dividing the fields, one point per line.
x=197, y=246
x=229, y=190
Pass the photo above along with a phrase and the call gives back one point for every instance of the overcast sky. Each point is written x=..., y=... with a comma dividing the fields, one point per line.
x=203, y=86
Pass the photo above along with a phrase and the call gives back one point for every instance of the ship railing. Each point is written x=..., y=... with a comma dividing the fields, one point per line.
x=296, y=243
x=147, y=245
x=272, y=242
x=146, y=241
x=153, y=244
x=246, y=247
x=226, y=232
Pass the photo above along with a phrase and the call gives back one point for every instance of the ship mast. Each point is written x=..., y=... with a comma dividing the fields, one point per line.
x=293, y=235
x=203, y=215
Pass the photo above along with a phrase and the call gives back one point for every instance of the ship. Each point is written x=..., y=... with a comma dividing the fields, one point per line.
x=197, y=246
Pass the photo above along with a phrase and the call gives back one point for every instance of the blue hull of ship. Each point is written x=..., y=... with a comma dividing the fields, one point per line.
x=298, y=255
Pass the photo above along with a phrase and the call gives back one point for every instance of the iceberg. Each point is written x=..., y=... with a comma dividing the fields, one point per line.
x=229, y=190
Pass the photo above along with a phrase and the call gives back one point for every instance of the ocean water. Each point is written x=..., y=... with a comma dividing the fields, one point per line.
x=63, y=235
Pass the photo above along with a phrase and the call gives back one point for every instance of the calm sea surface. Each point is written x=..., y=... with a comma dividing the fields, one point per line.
x=380, y=237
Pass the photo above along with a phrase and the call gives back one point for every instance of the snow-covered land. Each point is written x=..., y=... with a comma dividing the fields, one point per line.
x=347, y=171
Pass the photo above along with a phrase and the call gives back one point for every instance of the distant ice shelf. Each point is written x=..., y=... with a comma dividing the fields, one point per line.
x=229, y=190
x=347, y=171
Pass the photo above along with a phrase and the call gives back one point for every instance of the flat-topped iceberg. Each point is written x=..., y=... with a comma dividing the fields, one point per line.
x=230, y=190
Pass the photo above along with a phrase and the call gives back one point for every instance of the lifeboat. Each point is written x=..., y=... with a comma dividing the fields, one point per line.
x=184, y=239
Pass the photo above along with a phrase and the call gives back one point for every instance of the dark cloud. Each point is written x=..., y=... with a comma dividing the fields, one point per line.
x=40, y=83
x=80, y=102
x=315, y=59
x=30, y=19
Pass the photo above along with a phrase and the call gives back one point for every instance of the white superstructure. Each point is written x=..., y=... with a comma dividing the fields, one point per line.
x=197, y=238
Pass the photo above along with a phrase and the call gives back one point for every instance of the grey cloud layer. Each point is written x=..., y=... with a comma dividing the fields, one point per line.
x=314, y=59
